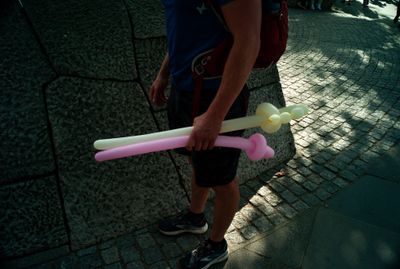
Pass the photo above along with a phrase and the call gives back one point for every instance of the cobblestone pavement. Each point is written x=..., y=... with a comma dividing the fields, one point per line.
x=345, y=66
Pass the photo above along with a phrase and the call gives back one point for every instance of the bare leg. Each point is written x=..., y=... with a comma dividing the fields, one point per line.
x=198, y=198
x=199, y=195
x=226, y=204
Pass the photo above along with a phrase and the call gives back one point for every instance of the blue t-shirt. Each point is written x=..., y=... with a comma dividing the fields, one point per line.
x=192, y=28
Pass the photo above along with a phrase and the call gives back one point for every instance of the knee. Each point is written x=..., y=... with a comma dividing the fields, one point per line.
x=230, y=189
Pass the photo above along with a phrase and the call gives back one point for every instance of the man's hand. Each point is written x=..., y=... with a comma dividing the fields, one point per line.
x=157, y=90
x=206, y=128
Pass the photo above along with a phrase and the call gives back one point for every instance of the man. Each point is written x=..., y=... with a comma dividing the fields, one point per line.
x=193, y=28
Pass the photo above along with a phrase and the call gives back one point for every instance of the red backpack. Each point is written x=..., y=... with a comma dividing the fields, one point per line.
x=273, y=36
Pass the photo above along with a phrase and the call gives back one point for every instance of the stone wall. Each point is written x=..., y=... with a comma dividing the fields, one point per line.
x=72, y=72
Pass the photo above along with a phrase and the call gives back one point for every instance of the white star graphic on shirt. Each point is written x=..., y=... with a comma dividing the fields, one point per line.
x=201, y=9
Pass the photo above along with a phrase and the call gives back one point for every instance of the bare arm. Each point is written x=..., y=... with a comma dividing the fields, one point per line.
x=243, y=18
x=160, y=83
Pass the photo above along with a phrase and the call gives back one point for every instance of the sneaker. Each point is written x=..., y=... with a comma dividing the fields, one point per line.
x=182, y=224
x=204, y=256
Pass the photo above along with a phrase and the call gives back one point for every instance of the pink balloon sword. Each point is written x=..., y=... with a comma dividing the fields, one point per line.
x=255, y=147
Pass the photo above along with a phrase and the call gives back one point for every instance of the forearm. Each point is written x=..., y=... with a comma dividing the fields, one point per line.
x=164, y=69
x=243, y=18
x=160, y=83
x=236, y=72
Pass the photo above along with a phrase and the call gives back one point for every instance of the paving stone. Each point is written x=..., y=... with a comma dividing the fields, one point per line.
x=187, y=242
x=257, y=200
x=171, y=250
x=125, y=241
x=173, y=264
x=310, y=186
x=273, y=199
x=264, y=190
x=239, y=221
x=297, y=189
x=288, y=196
x=110, y=255
x=304, y=171
x=107, y=244
x=31, y=217
x=242, y=203
x=24, y=70
x=319, y=160
x=310, y=199
x=267, y=209
x=360, y=164
x=250, y=212
x=87, y=251
x=129, y=254
x=235, y=237
x=286, y=210
x=289, y=172
x=246, y=192
x=355, y=170
x=331, y=167
x=284, y=247
x=344, y=158
x=300, y=206
x=327, y=175
x=254, y=184
x=141, y=231
x=284, y=181
x=90, y=261
x=145, y=240
x=329, y=187
x=249, y=232
x=153, y=25
x=263, y=224
x=293, y=164
x=276, y=186
x=322, y=194
x=37, y=258
x=333, y=231
x=79, y=44
x=152, y=255
x=317, y=179
x=231, y=228
x=340, y=182
x=67, y=262
x=113, y=266
x=369, y=200
x=93, y=206
x=135, y=265
x=160, y=265
x=317, y=168
x=299, y=178
x=276, y=219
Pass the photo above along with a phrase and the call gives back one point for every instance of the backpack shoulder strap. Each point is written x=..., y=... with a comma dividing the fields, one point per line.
x=217, y=11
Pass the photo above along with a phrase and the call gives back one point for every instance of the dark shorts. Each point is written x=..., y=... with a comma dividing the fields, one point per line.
x=214, y=167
